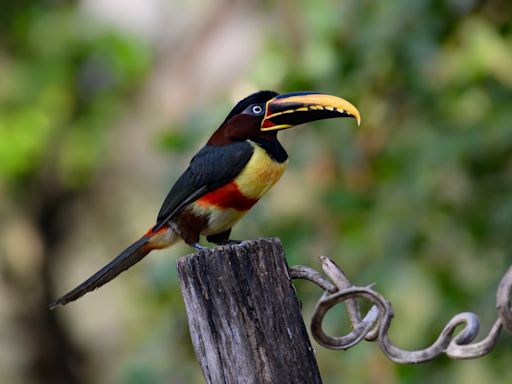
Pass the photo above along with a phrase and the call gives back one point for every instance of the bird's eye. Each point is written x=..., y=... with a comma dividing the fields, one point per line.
x=256, y=109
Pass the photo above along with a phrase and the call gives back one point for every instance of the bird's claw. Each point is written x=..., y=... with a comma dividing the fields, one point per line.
x=199, y=247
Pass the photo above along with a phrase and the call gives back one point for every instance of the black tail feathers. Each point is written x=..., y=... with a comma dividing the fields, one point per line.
x=130, y=256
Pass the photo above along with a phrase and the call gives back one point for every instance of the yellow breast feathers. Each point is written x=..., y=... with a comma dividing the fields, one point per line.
x=260, y=173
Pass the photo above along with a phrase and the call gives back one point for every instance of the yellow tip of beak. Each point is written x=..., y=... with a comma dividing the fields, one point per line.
x=358, y=119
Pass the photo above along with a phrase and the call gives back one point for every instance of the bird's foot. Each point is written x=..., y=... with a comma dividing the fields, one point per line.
x=199, y=247
x=229, y=242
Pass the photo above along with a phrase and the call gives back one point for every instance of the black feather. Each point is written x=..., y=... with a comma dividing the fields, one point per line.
x=130, y=256
x=210, y=168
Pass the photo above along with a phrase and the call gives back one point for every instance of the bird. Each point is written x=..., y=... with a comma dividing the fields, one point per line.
x=240, y=162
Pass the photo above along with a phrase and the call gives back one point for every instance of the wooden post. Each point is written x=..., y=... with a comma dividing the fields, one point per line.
x=244, y=318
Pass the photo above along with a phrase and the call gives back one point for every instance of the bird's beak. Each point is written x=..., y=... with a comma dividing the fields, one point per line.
x=290, y=109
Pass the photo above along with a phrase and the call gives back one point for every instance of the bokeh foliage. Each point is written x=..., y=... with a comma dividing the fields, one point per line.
x=417, y=200
x=62, y=83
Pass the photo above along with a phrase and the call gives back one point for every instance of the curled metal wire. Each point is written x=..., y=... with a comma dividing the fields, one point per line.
x=375, y=324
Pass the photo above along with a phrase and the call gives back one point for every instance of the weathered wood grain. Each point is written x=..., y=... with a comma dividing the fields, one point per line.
x=244, y=318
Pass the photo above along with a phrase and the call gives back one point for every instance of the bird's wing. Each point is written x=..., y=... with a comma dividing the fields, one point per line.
x=210, y=168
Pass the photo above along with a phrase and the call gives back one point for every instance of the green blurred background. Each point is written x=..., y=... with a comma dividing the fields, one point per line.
x=103, y=102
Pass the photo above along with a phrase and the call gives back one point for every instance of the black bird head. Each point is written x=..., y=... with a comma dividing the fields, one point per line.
x=263, y=113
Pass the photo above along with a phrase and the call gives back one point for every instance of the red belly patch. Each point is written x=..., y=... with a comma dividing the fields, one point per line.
x=227, y=196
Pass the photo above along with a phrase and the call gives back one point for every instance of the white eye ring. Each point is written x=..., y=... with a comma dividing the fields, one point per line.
x=256, y=109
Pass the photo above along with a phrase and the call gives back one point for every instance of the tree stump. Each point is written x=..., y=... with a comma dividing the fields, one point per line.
x=244, y=318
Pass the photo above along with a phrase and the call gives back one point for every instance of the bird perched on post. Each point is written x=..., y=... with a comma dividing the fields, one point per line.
x=240, y=162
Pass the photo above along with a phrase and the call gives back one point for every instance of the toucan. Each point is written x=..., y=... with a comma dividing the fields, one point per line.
x=240, y=162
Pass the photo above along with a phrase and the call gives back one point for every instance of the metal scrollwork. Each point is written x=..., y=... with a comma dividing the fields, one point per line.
x=375, y=324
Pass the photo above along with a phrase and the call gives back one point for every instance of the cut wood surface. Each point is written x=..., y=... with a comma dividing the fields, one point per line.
x=245, y=320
